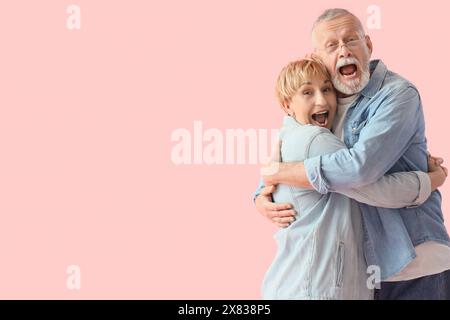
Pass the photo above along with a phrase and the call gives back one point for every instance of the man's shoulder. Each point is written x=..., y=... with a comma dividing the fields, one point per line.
x=396, y=83
x=390, y=88
x=385, y=83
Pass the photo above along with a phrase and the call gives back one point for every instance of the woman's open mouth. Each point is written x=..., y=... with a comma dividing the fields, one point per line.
x=348, y=71
x=320, y=118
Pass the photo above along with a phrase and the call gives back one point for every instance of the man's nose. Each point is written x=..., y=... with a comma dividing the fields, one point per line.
x=344, y=52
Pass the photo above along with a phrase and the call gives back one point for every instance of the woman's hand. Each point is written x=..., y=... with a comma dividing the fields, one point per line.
x=280, y=214
x=436, y=172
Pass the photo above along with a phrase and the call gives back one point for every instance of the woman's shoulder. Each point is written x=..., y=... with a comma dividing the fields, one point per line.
x=305, y=141
x=292, y=130
x=296, y=139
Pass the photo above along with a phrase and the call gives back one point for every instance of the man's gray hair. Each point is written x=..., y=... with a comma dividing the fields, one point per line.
x=331, y=14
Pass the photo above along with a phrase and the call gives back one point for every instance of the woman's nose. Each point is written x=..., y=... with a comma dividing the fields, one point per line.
x=320, y=99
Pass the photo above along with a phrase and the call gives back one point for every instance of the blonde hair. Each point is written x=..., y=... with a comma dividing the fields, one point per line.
x=295, y=74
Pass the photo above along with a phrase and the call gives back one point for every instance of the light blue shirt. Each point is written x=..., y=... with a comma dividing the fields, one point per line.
x=320, y=255
x=384, y=131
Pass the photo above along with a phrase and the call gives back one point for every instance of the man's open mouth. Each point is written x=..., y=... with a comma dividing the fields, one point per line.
x=320, y=118
x=348, y=70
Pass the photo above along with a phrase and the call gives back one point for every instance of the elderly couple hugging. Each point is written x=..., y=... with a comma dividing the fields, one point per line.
x=362, y=198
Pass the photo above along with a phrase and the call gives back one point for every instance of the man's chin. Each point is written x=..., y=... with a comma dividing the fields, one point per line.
x=348, y=86
x=348, y=89
x=351, y=84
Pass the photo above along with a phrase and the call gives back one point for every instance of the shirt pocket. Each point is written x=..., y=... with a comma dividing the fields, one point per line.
x=340, y=264
x=356, y=128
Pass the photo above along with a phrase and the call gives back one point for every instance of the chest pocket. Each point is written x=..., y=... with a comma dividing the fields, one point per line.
x=356, y=128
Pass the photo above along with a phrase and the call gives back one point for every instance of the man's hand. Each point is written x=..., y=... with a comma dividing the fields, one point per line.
x=436, y=172
x=270, y=173
x=290, y=173
x=279, y=213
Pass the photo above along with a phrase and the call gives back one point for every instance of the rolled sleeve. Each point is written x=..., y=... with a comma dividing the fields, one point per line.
x=424, y=189
x=258, y=189
x=313, y=168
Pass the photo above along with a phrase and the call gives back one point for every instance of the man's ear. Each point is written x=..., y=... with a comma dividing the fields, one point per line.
x=369, y=44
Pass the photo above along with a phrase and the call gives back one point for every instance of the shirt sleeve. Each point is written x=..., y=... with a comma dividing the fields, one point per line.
x=395, y=121
x=258, y=189
x=397, y=190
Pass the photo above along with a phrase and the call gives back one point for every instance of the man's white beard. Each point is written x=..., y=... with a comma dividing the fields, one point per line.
x=353, y=86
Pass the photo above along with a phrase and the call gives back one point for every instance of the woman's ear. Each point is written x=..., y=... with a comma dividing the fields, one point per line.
x=287, y=109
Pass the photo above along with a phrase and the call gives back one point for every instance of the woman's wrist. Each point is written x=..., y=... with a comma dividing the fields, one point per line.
x=437, y=179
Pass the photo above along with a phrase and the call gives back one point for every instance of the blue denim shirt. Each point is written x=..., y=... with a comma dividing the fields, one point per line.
x=384, y=131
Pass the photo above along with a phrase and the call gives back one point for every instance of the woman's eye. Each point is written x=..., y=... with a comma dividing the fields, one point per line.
x=306, y=93
x=328, y=89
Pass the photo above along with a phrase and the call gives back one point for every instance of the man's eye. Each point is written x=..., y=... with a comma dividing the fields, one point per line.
x=331, y=45
x=327, y=89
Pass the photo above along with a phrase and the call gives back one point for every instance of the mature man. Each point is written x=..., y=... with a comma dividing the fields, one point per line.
x=380, y=119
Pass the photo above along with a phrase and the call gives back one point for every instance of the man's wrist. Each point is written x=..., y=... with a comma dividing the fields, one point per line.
x=293, y=174
x=290, y=173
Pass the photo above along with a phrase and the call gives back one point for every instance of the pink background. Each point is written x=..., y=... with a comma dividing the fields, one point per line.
x=86, y=117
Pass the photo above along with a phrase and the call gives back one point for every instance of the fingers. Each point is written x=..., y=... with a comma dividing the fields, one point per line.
x=267, y=190
x=445, y=170
x=280, y=214
x=437, y=160
x=282, y=225
x=432, y=167
x=283, y=220
x=282, y=217
x=271, y=209
x=271, y=206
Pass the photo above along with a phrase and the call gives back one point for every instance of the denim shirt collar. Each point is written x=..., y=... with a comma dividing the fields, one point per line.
x=288, y=124
x=378, y=72
x=289, y=121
